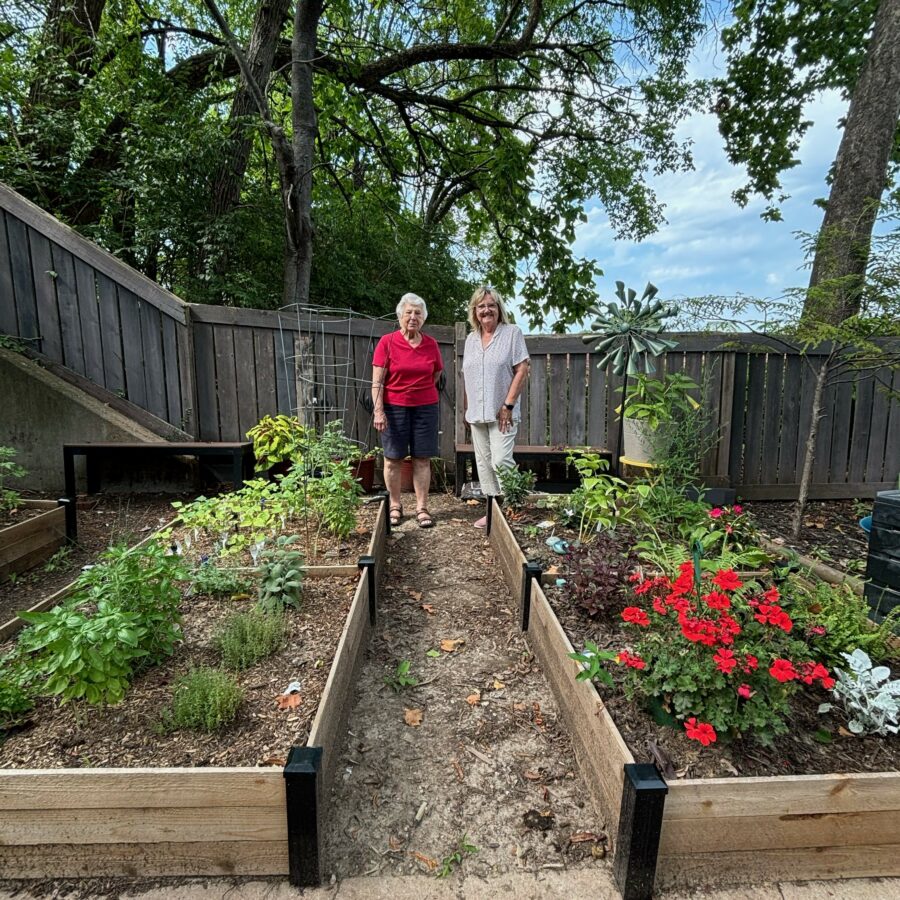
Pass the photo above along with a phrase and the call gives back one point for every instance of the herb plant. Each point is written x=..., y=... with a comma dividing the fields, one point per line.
x=515, y=485
x=16, y=698
x=870, y=699
x=204, y=700
x=400, y=678
x=597, y=576
x=335, y=497
x=280, y=575
x=595, y=500
x=590, y=660
x=9, y=499
x=246, y=638
x=215, y=581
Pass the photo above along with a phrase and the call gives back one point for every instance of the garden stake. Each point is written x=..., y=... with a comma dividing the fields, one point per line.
x=490, y=516
x=368, y=562
x=530, y=571
x=640, y=824
x=301, y=788
x=68, y=503
x=386, y=502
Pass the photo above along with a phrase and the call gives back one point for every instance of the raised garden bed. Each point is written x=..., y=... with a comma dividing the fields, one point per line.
x=38, y=536
x=713, y=830
x=260, y=817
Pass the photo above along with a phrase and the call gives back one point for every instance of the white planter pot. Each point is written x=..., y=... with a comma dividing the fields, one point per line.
x=636, y=441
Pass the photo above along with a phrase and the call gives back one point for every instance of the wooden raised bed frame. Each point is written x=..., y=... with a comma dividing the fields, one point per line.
x=179, y=821
x=717, y=830
x=30, y=542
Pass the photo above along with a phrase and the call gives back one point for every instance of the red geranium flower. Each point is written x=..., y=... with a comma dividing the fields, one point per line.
x=783, y=670
x=725, y=661
x=715, y=513
x=737, y=509
x=635, y=615
x=727, y=580
x=751, y=663
x=632, y=660
x=745, y=692
x=659, y=606
x=700, y=731
x=715, y=600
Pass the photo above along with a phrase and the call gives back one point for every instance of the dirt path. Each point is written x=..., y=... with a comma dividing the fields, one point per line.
x=489, y=761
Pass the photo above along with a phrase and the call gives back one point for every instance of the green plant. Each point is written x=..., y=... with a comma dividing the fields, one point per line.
x=835, y=619
x=245, y=638
x=656, y=401
x=595, y=500
x=871, y=701
x=590, y=660
x=123, y=614
x=515, y=485
x=58, y=560
x=277, y=439
x=449, y=862
x=717, y=654
x=205, y=700
x=9, y=499
x=16, y=698
x=216, y=581
x=280, y=575
x=400, y=678
x=335, y=497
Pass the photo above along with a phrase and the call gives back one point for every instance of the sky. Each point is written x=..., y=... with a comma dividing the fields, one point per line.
x=710, y=245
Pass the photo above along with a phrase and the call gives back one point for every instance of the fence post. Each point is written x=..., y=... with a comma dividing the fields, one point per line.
x=640, y=824
x=302, y=786
x=530, y=571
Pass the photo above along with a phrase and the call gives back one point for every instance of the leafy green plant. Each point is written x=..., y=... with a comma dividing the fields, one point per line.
x=870, y=699
x=58, y=560
x=204, y=699
x=123, y=614
x=216, y=581
x=656, y=401
x=277, y=439
x=515, y=485
x=245, y=638
x=595, y=500
x=16, y=696
x=280, y=575
x=591, y=658
x=454, y=859
x=335, y=497
x=9, y=499
x=597, y=576
x=400, y=678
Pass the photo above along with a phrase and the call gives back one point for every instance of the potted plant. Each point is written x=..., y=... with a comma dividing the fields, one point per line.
x=278, y=441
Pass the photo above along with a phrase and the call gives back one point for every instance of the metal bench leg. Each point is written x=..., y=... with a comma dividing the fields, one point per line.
x=237, y=469
x=69, y=474
x=93, y=465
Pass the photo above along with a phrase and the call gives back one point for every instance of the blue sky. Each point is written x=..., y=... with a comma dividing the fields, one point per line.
x=709, y=245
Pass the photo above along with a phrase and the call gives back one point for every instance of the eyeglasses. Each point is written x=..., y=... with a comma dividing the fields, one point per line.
x=485, y=307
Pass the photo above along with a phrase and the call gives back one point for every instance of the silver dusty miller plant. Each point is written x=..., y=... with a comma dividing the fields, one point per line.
x=870, y=699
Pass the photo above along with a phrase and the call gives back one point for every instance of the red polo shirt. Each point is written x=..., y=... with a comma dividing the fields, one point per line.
x=410, y=370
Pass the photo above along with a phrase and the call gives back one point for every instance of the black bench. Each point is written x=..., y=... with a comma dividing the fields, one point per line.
x=238, y=453
x=524, y=453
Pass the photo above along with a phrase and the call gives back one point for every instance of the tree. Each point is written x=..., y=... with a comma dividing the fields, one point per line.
x=780, y=55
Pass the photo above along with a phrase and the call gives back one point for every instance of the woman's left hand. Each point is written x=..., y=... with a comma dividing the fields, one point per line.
x=504, y=419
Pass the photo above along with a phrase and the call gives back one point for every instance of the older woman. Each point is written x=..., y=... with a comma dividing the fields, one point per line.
x=405, y=370
x=495, y=366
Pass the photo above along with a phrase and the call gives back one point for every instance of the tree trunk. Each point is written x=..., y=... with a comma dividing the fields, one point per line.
x=810, y=455
x=860, y=175
x=298, y=258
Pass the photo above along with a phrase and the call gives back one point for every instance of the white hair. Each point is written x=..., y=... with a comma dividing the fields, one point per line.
x=412, y=300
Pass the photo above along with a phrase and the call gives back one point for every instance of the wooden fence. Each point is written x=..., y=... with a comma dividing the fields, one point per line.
x=215, y=371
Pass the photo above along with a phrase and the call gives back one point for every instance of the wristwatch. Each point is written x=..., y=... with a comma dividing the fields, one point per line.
x=510, y=406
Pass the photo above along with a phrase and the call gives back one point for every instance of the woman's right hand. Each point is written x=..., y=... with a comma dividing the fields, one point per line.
x=379, y=420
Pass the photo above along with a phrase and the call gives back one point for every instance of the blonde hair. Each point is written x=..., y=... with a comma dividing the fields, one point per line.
x=477, y=297
x=412, y=300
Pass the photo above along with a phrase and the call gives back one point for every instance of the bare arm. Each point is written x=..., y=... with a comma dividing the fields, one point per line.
x=379, y=419
x=520, y=373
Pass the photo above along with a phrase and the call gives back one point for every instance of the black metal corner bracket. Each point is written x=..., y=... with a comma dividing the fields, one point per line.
x=368, y=562
x=490, y=515
x=530, y=571
x=386, y=500
x=302, y=787
x=640, y=825
x=69, y=504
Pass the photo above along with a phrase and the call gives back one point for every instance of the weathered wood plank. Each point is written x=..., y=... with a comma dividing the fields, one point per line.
x=226, y=383
x=791, y=436
x=363, y=349
x=8, y=322
x=736, y=462
x=69, y=314
x=23, y=279
x=773, y=423
x=892, y=449
x=597, y=430
x=841, y=433
x=230, y=858
x=726, y=385
x=207, y=396
x=305, y=369
x=523, y=435
x=45, y=297
x=111, y=335
x=132, y=347
x=559, y=399
x=879, y=436
x=822, y=456
x=842, y=490
x=538, y=432
x=284, y=372
x=89, y=314
x=577, y=432
x=753, y=435
x=99, y=259
x=264, y=354
x=140, y=788
x=154, y=371
x=862, y=439
x=48, y=520
x=187, y=388
x=174, y=404
x=246, y=378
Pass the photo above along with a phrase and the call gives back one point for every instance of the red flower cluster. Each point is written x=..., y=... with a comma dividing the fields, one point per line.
x=783, y=670
x=635, y=615
x=725, y=661
x=813, y=671
x=632, y=660
x=700, y=731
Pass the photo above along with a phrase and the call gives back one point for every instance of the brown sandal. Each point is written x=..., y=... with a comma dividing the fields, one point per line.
x=423, y=518
x=395, y=514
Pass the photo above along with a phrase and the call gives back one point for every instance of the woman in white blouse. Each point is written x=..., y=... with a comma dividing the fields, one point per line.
x=495, y=366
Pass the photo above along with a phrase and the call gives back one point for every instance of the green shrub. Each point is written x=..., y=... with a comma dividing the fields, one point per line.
x=246, y=638
x=515, y=485
x=213, y=581
x=205, y=700
x=15, y=696
x=280, y=575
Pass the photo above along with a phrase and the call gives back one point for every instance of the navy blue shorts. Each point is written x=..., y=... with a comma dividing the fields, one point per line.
x=411, y=431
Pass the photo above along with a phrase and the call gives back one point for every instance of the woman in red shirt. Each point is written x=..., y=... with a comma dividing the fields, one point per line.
x=405, y=370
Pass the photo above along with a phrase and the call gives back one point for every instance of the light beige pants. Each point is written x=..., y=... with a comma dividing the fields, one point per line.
x=493, y=449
